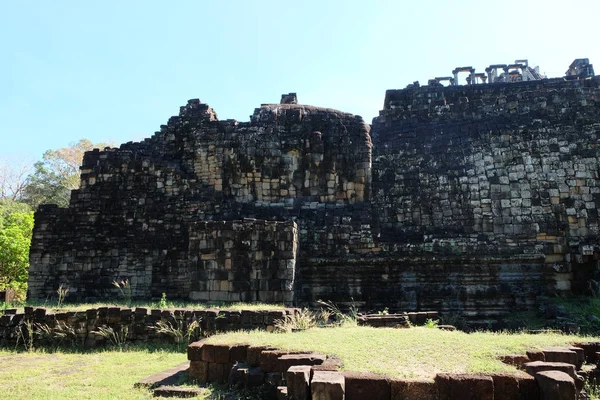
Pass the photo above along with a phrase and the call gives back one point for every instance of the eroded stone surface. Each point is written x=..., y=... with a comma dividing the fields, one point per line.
x=486, y=194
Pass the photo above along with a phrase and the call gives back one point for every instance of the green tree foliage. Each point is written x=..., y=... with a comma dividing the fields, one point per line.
x=57, y=174
x=16, y=225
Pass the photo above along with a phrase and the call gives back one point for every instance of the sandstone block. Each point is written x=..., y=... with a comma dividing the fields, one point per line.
x=556, y=385
x=516, y=360
x=208, y=352
x=326, y=385
x=195, y=351
x=534, y=367
x=268, y=360
x=536, y=355
x=506, y=386
x=284, y=362
x=253, y=354
x=238, y=353
x=199, y=371
x=298, y=382
x=561, y=354
x=362, y=386
x=221, y=353
x=464, y=387
x=413, y=389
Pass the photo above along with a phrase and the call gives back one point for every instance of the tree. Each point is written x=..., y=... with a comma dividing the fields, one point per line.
x=57, y=174
x=13, y=178
x=16, y=226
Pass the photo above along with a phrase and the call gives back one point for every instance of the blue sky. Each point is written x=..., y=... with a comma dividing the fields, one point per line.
x=117, y=70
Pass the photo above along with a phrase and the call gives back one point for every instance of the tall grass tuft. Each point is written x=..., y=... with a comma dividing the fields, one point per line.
x=181, y=332
x=125, y=289
x=62, y=292
x=116, y=339
x=305, y=319
x=349, y=318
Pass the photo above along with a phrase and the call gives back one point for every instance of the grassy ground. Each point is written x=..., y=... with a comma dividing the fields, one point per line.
x=415, y=352
x=108, y=374
x=155, y=305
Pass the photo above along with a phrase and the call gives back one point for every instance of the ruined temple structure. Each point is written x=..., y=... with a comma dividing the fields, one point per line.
x=472, y=198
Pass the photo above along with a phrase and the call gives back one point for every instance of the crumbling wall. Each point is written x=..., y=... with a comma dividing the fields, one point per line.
x=474, y=198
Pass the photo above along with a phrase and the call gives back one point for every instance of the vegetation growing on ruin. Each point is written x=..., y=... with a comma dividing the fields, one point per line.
x=53, y=305
x=415, y=352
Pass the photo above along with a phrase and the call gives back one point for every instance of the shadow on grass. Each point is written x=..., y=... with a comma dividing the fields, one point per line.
x=150, y=347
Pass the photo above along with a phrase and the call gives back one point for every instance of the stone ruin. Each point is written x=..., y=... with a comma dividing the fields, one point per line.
x=475, y=198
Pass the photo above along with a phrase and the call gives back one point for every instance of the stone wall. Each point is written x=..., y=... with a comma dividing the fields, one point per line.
x=137, y=325
x=475, y=199
x=243, y=261
x=308, y=375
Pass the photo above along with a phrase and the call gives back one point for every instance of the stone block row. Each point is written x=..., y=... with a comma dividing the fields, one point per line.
x=306, y=376
x=140, y=324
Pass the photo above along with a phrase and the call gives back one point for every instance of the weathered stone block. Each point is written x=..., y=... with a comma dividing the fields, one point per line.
x=413, y=389
x=268, y=360
x=326, y=385
x=463, y=386
x=216, y=372
x=561, y=354
x=195, y=351
x=534, y=367
x=285, y=361
x=208, y=352
x=238, y=353
x=506, y=386
x=362, y=386
x=556, y=385
x=222, y=353
x=199, y=371
x=298, y=382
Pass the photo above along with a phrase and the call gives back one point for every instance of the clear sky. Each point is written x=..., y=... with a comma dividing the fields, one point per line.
x=117, y=70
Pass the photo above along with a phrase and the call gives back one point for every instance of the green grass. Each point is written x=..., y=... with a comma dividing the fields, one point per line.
x=415, y=352
x=108, y=374
x=155, y=305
